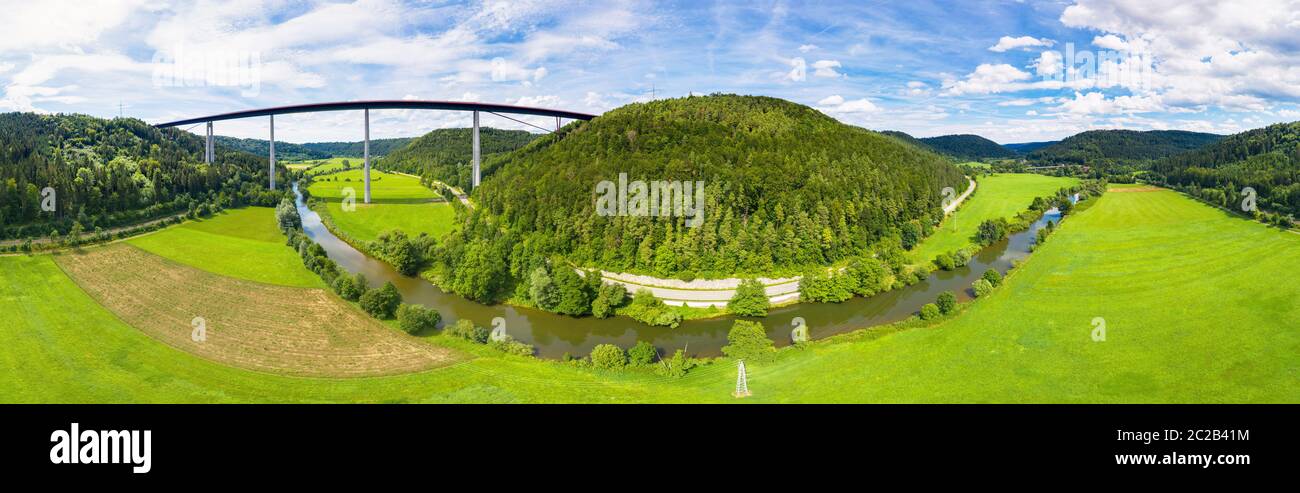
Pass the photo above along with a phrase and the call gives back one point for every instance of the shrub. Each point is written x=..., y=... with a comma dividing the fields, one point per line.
x=993, y=230
x=415, y=318
x=286, y=216
x=821, y=286
x=347, y=288
x=945, y=261
x=750, y=299
x=465, y=329
x=748, y=341
x=382, y=303
x=947, y=302
x=676, y=366
x=509, y=345
x=643, y=353
x=982, y=287
x=993, y=277
x=930, y=311
x=608, y=356
x=868, y=274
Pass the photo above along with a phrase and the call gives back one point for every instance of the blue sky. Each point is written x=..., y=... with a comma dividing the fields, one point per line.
x=999, y=68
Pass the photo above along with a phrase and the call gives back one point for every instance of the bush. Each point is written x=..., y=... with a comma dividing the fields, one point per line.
x=643, y=353
x=415, y=318
x=945, y=261
x=868, y=275
x=382, y=303
x=993, y=277
x=465, y=329
x=947, y=302
x=750, y=299
x=821, y=286
x=676, y=366
x=993, y=230
x=982, y=287
x=509, y=345
x=930, y=311
x=608, y=356
x=748, y=341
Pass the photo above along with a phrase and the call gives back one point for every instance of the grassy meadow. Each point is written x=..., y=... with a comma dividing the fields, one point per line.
x=1000, y=195
x=397, y=202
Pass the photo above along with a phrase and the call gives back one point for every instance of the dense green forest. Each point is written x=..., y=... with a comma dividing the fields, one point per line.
x=1266, y=159
x=445, y=154
x=108, y=173
x=1028, y=147
x=286, y=151
x=785, y=188
x=967, y=147
x=1102, y=147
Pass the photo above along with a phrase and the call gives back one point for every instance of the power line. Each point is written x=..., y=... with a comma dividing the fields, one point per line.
x=523, y=122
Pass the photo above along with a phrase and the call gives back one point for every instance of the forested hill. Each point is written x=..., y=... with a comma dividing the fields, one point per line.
x=445, y=154
x=968, y=147
x=108, y=173
x=1114, y=146
x=785, y=187
x=315, y=150
x=1028, y=147
x=1266, y=159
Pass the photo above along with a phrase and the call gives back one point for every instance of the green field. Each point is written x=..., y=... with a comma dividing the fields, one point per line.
x=318, y=166
x=1187, y=293
x=241, y=243
x=1000, y=195
x=397, y=202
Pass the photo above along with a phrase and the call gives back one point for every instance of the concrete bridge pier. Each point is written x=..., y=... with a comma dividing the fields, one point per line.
x=476, y=150
x=207, y=146
x=366, y=150
x=272, y=170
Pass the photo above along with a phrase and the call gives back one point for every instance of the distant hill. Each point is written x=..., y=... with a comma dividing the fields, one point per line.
x=1028, y=147
x=1265, y=159
x=968, y=147
x=286, y=151
x=1114, y=146
x=445, y=154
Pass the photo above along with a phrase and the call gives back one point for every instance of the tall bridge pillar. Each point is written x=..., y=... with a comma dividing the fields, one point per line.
x=476, y=150
x=366, y=150
x=207, y=146
x=271, y=171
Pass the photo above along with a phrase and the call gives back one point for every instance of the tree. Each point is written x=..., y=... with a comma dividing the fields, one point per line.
x=575, y=294
x=945, y=261
x=748, y=341
x=346, y=288
x=608, y=357
x=993, y=230
x=750, y=299
x=676, y=366
x=642, y=354
x=947, y=302
x=982, y=287
x=909, y=235
x=286, y=215
x=868, y=275
x=608, y=298
x=930, y=311
x=382, y=303
x=993, y=277
x=648, y=309
x=542, y=289
x=413, y=319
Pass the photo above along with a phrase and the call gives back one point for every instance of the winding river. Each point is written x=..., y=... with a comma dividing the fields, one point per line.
x=555, y=335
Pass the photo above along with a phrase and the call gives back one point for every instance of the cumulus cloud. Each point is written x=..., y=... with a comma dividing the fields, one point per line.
x=826, y=68
x=837, y=104
x=1007, y=43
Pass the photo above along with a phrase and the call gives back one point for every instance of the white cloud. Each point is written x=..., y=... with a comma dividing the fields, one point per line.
x=987, y=79
x=1007, y=43
x=836, y=104
x=1110, y=42
x=826, y=68
x=807, y=48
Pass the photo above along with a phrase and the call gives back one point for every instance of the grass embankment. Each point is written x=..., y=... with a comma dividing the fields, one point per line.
x=397, y=202
x=1001, y=195
x=1185, y=291
x=240, y=243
